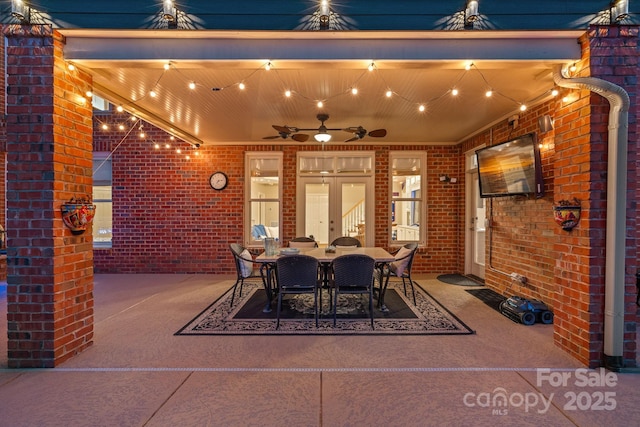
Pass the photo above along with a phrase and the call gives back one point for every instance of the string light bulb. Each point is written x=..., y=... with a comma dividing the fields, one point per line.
x=454, y=92
x=371, y=66
x=241, y=86
x=523, y=107
x=119, y=109
x=421, y=108
x=488, y=93
x=287, y=93
x=320, y=104
x=388, y=93
x=554, y=92
x=153, y=94
x=268, y=66
x=192, y=85
x=71, y=67
x=354, y=90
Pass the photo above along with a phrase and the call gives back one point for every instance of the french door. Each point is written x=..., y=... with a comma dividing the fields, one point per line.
x=476, y=227
x=335, y=206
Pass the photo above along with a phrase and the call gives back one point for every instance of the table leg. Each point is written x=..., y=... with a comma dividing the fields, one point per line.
x=382, y=288
x=266, y=271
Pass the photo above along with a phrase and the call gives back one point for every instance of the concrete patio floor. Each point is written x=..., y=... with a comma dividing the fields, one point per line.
x=138, y=373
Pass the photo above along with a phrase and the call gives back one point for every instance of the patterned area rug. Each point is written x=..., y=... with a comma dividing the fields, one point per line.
x=246, y=317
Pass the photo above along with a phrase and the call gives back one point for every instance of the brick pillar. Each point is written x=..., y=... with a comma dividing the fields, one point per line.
x=580, y=170
x=49, y=157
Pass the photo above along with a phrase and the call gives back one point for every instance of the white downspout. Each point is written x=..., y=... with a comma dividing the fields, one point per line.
x=616, y=208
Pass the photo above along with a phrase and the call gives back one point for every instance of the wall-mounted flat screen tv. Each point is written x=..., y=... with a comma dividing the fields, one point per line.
x=511, y=168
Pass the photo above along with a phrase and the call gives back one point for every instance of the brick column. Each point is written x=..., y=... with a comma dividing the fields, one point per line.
x=49, y=157
x=580, y=170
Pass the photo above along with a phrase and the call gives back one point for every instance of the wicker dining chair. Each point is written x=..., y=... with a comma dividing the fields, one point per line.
x=245, y=270
x=401, y=269
x=297, y=274
x=352, y=274
x=346, y=241
x=303, y=242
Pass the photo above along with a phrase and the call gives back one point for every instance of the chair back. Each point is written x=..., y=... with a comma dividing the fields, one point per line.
x=413, y=247
x=244, y=265
x=297, y=271
x=236, y=250
x=346, y=241
x=303, y=242
x=353, y=271
x=404, y=259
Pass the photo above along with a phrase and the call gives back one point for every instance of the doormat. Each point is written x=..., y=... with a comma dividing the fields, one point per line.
x=488, y=296
x=459, y=279
x=246, y=317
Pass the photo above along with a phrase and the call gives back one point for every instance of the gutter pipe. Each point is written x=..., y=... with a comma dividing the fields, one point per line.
x=616, y=208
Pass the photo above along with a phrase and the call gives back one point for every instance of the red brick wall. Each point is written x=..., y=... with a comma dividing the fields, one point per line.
x=620, y=68
x=521, y=233
x=3, y=157
x=50, y=271
x=167, y=219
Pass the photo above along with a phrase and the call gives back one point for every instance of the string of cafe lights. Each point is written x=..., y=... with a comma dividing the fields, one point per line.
x=421, y=106
x=136, y=122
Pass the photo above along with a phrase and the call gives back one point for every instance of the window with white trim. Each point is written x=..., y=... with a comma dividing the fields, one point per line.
x=407, y=197
x=102, y=221
x=263, y=190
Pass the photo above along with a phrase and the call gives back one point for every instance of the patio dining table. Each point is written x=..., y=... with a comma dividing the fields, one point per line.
x=380, y=255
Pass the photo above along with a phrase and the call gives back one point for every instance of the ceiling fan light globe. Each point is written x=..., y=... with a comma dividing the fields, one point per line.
x=322, y=137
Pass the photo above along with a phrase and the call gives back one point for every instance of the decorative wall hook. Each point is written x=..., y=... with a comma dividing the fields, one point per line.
x=567, y=213
x=77, y=214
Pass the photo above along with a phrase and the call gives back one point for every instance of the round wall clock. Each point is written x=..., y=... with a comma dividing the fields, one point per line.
x=218, y=181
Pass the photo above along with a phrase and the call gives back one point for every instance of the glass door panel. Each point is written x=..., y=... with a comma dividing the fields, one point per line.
x=478, y=231
x=353, y=210
x=316, y=217
x=333, y=207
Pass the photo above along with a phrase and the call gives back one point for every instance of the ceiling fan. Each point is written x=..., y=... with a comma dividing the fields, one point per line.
x=322, y=135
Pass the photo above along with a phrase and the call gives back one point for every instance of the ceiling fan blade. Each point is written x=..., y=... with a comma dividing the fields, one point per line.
x=271, y=137
x=300, y=137
x=281, y=129
x=354, y=138
x=352, y=129
x=378, y=133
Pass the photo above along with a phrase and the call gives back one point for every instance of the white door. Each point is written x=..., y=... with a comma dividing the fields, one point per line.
x=476, y=231
x=332, y=207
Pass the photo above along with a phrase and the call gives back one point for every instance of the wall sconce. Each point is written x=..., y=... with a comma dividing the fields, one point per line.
x=170, y=14
x=325, y=13
x=545, y=123
x=471, y=13
x=619, y=10
x=446, y=178
x=20, y=11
